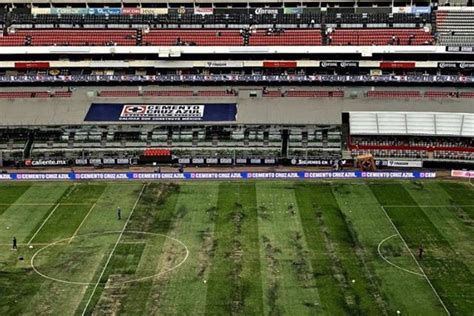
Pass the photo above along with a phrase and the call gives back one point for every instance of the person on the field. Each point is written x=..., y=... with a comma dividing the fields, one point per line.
x=119, y=213
x=420, y=252
x=14, y=243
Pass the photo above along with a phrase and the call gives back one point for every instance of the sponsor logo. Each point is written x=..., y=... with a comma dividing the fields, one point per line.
x=203, y=11
x=348, y=64
x=342, y=64
x=456, y=65
x=153, y=11
x=405, y=163
x=466, y=65
x=329, y=64
x=259, y=11
x=162, y=112
x=216, y=64
x=462, y=173
x=41, y=162
x=131, y=11
x=448, y=65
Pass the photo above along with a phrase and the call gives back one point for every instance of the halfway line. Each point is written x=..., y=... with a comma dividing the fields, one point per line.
x=113, y=250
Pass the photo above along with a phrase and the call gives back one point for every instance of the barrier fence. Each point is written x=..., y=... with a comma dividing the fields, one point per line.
x=215, y=175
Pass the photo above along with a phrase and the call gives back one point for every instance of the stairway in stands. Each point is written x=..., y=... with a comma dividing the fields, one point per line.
x=29, y=144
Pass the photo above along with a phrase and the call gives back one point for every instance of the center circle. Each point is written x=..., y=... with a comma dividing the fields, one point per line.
x=73, y=256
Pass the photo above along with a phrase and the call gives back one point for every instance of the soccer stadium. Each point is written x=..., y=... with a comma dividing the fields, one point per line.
x=236, y=157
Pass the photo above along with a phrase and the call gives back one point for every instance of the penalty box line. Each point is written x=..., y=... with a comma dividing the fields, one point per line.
x=416, y=261
x=113, y=250
x=83, y=220
x=44, y=222
x=49, y=215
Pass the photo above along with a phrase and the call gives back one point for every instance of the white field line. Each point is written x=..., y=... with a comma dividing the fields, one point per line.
x=44, y=222
x=22, y=244
x=391, y=263
x=83, y=220
x=425, y=206
x=113, y=250
x=63, y=241
x=416, y=261
x=42, y=204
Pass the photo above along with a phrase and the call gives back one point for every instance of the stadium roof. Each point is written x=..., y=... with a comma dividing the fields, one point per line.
x=409, y=123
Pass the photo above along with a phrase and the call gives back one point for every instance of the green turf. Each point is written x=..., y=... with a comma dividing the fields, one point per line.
x=255, y=248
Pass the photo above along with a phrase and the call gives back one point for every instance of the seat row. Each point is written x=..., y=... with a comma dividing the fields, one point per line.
x=418, y=94
x=164, y=93
x=34, y=94
x=215, y=37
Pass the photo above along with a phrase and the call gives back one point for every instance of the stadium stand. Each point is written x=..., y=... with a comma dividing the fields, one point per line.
x=217, y=37
x=34, y=94
x=455, y=27
x=393, y=94
x=303, y=93
x=412, y=135
x=166, y=93
x=286, y=38
x=403, y=46
x=389, y=36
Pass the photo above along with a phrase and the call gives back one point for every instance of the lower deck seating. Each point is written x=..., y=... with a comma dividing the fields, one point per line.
x=68, y=37
x=394, y=94
x=380, y=37
x=34, y=94
x=164, y=93
x=456, y=148
x=305, y=94
x=286, y=38
x=154, y=152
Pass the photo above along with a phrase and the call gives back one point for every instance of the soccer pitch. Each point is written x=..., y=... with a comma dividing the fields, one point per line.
x=242, y=248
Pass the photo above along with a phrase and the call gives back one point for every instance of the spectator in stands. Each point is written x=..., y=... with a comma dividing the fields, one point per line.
x=178, y=41
x=392, y=41
x=264, y=90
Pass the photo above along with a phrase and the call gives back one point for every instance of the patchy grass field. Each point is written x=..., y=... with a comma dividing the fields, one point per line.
x=240, y=248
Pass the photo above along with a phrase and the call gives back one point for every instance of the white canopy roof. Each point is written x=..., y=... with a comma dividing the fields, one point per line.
x=412, y=123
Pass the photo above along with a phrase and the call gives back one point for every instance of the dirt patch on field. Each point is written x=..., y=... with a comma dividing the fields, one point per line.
x=336, y=265
x=272, y=265
x=206, y=252
x=300, y=264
